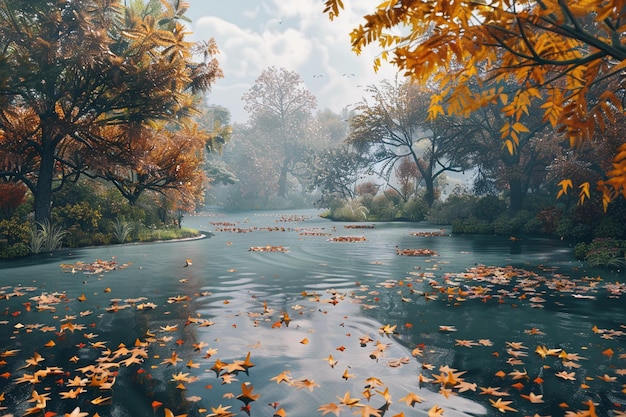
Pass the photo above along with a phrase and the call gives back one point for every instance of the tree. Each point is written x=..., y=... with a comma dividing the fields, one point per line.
x=70, y=70
x=335, y=173
x=396, y=126
x=280, y=109
x=152, y=158
x=574, y=51
x=500, y=170
x=12, y=195
x=408, y=176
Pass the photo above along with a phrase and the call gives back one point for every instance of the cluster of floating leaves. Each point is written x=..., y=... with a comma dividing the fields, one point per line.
x=268, y=248
x=416, y=252
x=88, y=377
x=437, y=233
x=292, y=218
x=348, y=239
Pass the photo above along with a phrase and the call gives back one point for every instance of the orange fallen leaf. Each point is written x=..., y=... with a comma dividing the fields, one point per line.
x=518, y=386
x=608, y=352
x=304, y=341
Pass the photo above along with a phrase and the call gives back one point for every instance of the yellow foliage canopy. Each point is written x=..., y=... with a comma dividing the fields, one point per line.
x=555, y=50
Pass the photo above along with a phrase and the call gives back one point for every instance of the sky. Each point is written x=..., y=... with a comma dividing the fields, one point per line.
x=253, y=35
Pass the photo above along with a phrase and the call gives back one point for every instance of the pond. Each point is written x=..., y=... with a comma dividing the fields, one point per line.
x=289, y=314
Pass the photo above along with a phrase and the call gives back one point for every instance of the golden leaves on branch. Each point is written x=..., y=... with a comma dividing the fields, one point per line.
x=573, y=76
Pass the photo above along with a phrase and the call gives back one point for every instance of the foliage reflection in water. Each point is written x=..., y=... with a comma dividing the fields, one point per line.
x=208, y=327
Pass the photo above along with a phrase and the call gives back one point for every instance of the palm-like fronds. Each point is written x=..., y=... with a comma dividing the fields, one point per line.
x=121, y=230
x=46, y=237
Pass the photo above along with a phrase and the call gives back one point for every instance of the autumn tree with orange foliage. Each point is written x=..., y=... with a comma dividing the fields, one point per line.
x=12, y=195
x=568, y=58
x=156, y=158
x=71, y=70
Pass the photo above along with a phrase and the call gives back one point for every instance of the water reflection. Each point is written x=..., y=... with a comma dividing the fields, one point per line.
x=232, y=302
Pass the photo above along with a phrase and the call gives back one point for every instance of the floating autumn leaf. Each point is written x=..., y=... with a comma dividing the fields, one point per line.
x=76, y=413
x=280, y=413
x=72, y=393
x=100, y=400
x=348, y=400
x=246, y=395
x=77, y=382
x=330, y=408
x=306, y=383
x=34, y=360
x=366, y=410
x=331, y=361
x=346, y=375
x=411, y=399
x=168, y=413
x=435, y=411
x=492, y=391
x=568, y=376
x=463, y=386
x=607, y=378
x=282, y=377
x=221, y=411
x=387, y=329
x=533, y=398
x=446, y=328
x=502, y=406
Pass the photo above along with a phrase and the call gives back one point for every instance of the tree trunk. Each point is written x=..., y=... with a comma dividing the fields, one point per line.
x=43, y=190
x=282, y=180
x=517, y=195
x=430, y=192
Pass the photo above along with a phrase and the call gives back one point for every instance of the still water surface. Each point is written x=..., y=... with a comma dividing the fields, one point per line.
x=318, y=320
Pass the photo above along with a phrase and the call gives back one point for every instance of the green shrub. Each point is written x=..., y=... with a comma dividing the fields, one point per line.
x=382, y=209
x=81, y=214
x=17, y=250
x=15, y=230
x=351, y=211
x=489, y=208
x=415, y=209
x=605, y=252
x=609, y=227
x=533, y=227
x=505, y=226
x=99, y=239
x=151, y=235
x=580, y=251
x=458, y=206
x=471, y=225
x=566, y=228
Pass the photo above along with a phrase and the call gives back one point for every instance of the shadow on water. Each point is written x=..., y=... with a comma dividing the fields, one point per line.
x=330, y=317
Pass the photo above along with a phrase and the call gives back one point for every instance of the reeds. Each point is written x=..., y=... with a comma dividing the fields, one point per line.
x=44, y=237
x=121, y=230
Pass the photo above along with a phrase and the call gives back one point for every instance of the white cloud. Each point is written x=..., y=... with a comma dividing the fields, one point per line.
x=254, y=35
